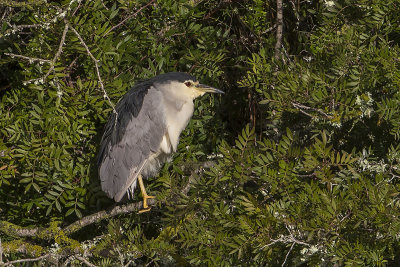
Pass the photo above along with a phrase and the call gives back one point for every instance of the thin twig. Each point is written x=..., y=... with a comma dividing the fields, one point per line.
x=279, y=30
x=293, y=239
x=76, y=9
x=128, y=264
x=207, y=165
x=5, y=12
x=305, y=113
x=128, y=18
x=60, y=46
x=286, y=239
x=30, y=59
x=96, y=65
x=287, y=255
x=269, y=29
x=29, y=26
x=121, y=257
x=300, y=107
x=296, y=13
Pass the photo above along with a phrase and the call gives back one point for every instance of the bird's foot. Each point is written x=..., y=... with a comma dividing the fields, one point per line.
x=146, y=207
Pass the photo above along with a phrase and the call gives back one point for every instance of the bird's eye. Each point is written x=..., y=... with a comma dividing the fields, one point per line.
x=188, y=84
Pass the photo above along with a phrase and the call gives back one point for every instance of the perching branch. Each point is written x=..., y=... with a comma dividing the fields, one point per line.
x=129, y=208
x=279, y=29
x=49, y=233
x=54, y=232
x=105, y=214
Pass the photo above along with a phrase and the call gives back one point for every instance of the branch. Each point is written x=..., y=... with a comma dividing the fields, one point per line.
x=104, y=214
x=28, y=26
x=11, y=229
x=96, y=65
x=82, y=259
x=286, y=240
x=207, y=164
x=19, y=246
x=269, y=29
x=287, y=255
x=1, y=254
x=52, y=62
x=30, y=59
x=128, y=18
x=128, y=208
x=27, y=260
x=49, y=233
x=300, y=107
x=60, y=46
x=279, y=30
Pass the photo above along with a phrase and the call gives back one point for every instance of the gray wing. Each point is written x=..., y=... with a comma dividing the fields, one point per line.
x=130, y=138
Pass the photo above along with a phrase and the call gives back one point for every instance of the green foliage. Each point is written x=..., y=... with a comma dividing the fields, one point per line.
x=49, y=142
x=314, y=180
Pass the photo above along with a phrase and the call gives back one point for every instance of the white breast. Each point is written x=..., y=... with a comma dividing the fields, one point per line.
x=178, y=109
x=178, y=117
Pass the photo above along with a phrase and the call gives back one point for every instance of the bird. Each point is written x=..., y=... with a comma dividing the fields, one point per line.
x=143, y=132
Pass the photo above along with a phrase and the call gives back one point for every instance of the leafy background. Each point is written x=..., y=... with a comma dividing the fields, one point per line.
x=305, y=141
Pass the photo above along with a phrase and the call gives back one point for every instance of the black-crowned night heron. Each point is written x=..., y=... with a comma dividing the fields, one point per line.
x=145, y=130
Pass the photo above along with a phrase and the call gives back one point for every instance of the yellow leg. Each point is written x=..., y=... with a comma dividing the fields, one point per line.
x=144, y=194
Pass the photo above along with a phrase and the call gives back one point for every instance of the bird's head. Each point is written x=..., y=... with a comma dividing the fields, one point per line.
x=198, y=89
x=185, y=85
